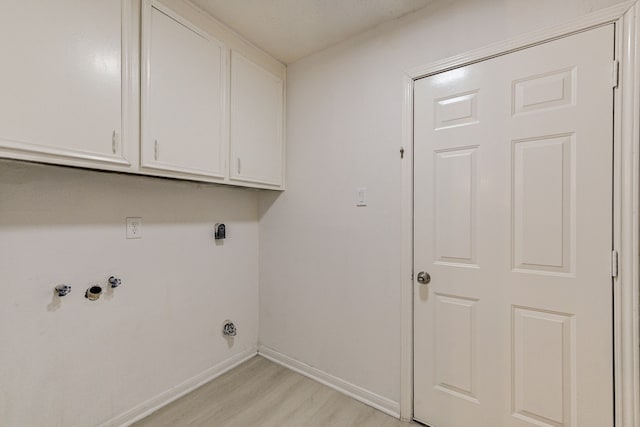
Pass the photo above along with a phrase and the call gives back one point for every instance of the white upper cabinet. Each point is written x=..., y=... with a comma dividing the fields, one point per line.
x=140, y=86
x=63, y=81
x=256, y=123
x=183, y=95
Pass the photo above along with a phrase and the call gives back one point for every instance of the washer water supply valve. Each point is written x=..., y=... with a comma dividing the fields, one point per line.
x=63, y=290
x=93, y=293
x=229, y=329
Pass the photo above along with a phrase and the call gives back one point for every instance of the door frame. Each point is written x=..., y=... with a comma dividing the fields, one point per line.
x=626, y=198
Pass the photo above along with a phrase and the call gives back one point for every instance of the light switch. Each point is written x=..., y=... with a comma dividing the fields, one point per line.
x=361, y=197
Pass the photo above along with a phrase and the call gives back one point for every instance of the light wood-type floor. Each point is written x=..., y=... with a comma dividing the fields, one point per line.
x=262, y=393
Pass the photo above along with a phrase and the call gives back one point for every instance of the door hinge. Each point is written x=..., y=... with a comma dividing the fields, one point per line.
x=615, y=78
x=412, y=276
x=614, y=263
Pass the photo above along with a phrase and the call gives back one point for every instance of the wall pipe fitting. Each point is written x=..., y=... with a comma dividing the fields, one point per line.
x=229, y=329
x=93, y=293
x=114, y=281
x=62, y=290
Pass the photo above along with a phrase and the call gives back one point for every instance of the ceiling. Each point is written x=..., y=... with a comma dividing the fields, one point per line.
x=292, y=29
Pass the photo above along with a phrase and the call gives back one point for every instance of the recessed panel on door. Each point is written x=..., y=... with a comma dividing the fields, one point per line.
x=544, y=203
x=550, y=90
x=543, y=367
x=455, y=346
x=455, y=193
x=457, y=110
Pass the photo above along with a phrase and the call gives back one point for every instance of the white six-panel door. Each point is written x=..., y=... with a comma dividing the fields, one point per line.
x=513, y=222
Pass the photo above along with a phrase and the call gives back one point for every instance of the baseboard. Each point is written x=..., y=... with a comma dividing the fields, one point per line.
x=367, y=397
x=146, y=408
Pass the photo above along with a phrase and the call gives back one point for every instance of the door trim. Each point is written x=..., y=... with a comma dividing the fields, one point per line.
x=626, y=204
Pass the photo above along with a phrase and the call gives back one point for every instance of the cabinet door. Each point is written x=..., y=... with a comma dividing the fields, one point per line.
x=183, y=100
x=62, y=79
x=256, y=123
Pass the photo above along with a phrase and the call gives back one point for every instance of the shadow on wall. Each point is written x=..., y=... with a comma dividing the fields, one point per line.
x=35, y=194
x=267, y=199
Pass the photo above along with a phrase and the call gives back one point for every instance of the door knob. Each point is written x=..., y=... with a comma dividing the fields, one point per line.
x=424, y=278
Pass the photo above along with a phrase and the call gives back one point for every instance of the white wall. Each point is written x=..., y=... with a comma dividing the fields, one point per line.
x=330, y=271
x=71, y=362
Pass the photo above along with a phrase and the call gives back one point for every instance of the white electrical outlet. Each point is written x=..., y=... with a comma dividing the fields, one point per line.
x=134, y=228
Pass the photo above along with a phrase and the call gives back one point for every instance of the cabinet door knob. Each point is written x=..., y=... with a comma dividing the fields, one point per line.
x=424, y=278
